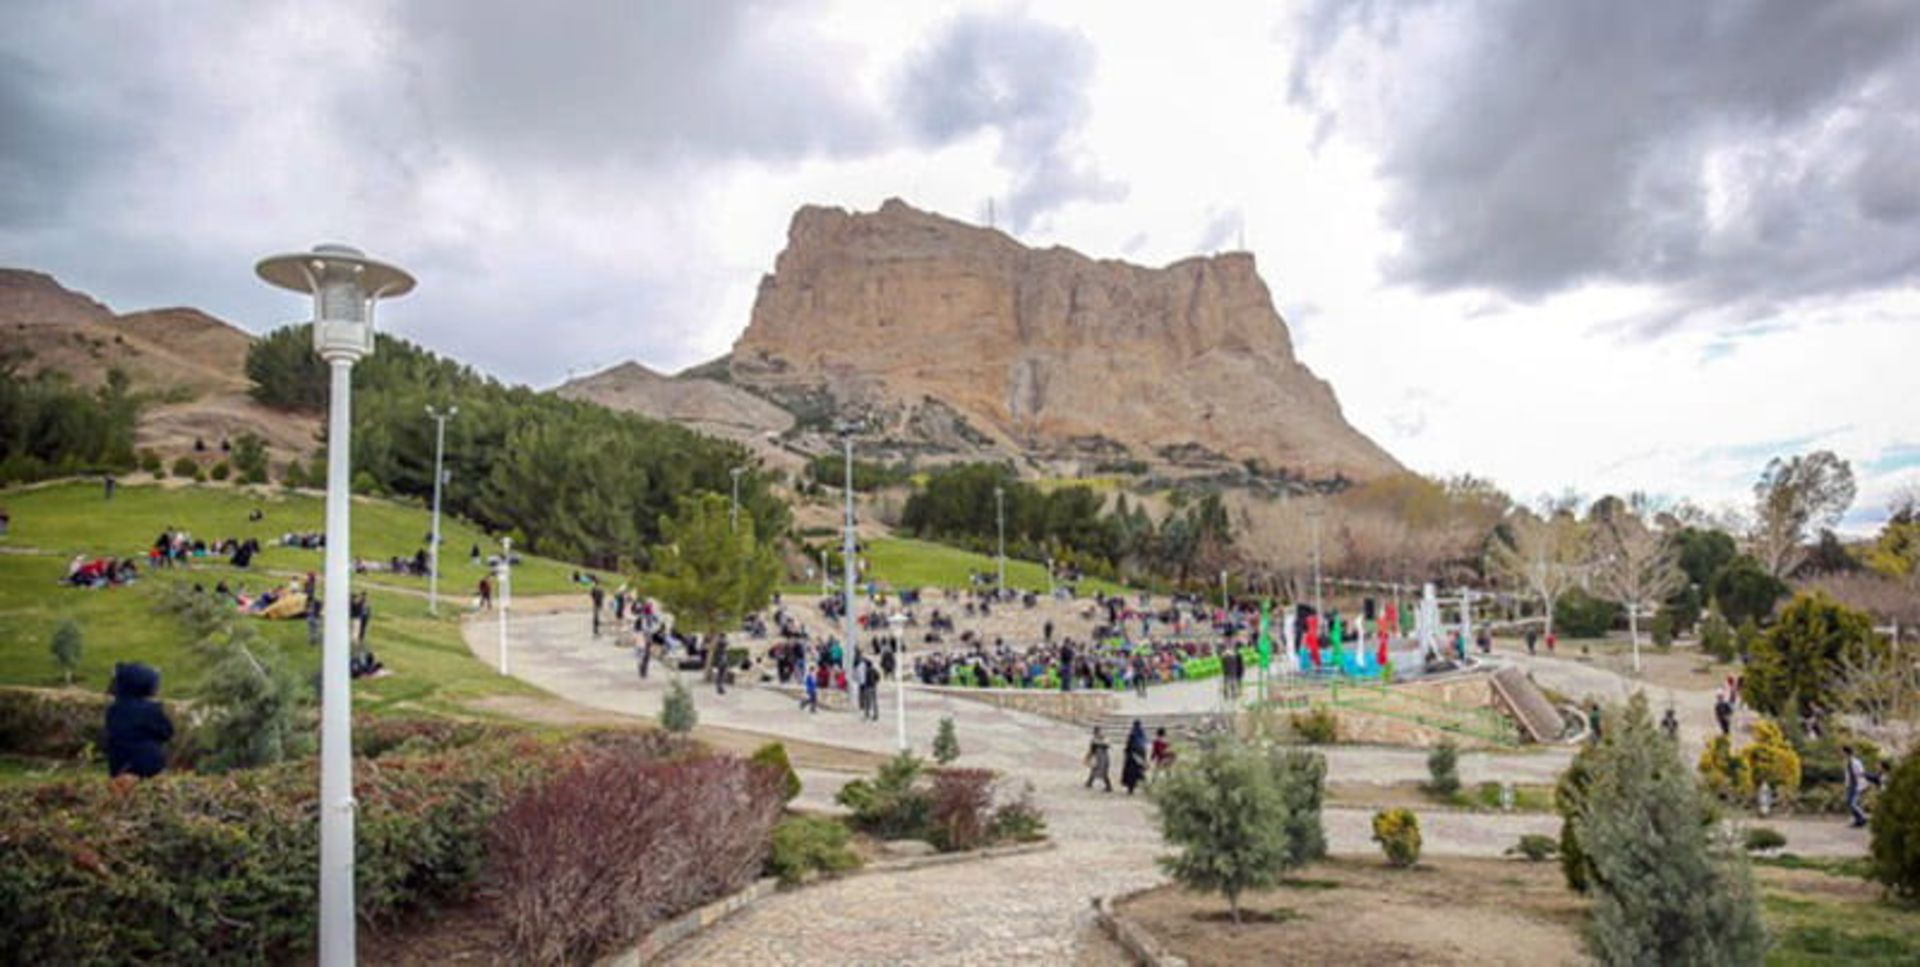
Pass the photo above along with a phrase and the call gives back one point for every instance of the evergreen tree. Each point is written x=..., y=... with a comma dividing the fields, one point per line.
x=1227, y=815
x=708, y=573
x=677, y=714
x=946, y=746
x=1801, y=656
x=66, y=645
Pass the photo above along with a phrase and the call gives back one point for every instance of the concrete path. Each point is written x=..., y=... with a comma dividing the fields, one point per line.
x=1024, y=909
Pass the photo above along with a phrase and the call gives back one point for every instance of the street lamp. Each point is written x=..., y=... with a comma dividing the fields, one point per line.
x=733, y=513
x=345, y=286
x=899, y=623
x=1000, y=515
x=505, y=571
x=1314, y=511
x=846, y=429
x=439, y=447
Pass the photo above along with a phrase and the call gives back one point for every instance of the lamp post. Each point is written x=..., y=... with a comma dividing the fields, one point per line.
x=733, y=512
x=845, y=430
x=899, y=623
x=1313, y=514
x=505, y=570
x=345, y=285
x=1000, y=515
x=439, y=448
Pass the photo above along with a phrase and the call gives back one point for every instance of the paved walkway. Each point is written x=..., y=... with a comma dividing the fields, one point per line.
x=1025, y=909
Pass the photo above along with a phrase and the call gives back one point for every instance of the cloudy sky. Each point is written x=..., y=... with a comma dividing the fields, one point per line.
x=1599, y=245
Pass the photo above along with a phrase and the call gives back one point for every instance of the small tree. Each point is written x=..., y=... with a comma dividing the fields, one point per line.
x=185, y=467
x=676, y=709
x=252, y=700
x=1896, y=830
x=1302, y=776
x=1228, y=817
x=1636, y=567
x=1716, y=636
x=1443, y=769
x=1804, y=654
x=708, y=571
x=1398, y=833
x=946, y=746
x=1665, y=891
x=250, y=458
x=773, y=755
x=1541, y=555
x=66, y=646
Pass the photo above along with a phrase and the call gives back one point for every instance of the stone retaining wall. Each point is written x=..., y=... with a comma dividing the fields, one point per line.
x=1138, y=943
x=1079, y=707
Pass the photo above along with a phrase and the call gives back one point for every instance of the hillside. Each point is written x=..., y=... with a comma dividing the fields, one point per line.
x=708, y=406
x=193, y=364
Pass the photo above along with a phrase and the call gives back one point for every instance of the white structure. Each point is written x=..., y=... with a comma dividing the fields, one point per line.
x=1000, y=517
x=849, y=647
x=898, y=622
x=505, y=570
x=345, y=285
x=439, y=477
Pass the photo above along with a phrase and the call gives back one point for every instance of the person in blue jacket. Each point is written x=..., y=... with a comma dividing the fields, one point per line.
x=137, y=727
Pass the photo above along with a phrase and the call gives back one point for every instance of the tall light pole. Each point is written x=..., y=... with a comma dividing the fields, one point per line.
x=847, y=651
x=505, y=570
x=1313, y=514
x=439, y=448
x=345, y=285
x=733, y=512
x=1000, y=515
x=899, y=623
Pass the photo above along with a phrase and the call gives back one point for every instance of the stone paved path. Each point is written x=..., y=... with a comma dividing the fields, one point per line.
x=1024, y=909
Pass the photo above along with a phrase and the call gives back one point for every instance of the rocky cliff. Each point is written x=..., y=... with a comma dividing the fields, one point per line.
x=959, y=337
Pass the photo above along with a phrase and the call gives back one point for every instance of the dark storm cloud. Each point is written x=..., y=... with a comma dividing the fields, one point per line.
x=583, y=81
x=1735, y=151
x=1025, y=79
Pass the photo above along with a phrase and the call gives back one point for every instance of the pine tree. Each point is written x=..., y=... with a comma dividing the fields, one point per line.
x=1227, y=814
x=66, y=646
x=946, y=746
x=677, y=714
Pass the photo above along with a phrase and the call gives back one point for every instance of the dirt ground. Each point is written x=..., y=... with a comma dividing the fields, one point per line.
x=1360, y=911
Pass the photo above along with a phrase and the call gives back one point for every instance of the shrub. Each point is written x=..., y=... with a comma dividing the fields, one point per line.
x=1316, y=726
x=1226, y=815
x=888, y=805
x=150, y=462
x=250, y=458
x=51, y=724
x=1662, y=629
x=221, y=471
x=603, y=851
x=773, y=755
x=1569, y=798
x=1896, y=830
x=1443, y=769
x=946, y=746
x=185, y=467
x=1716, y=636
x=1398, y=833
x=65, y=646
x=1801, y=656
x=1723, y=773
x=1769, y=759
x=1534, y=848
x=804, y=844
x=1666, y=891
x=1581, y=615
x=961, y=808
x=294, y=475
x=1759, y=839
x=1019, y=819
x=677, y=714
x=1302, y=777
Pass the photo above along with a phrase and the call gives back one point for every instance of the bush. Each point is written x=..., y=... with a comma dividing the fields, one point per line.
x=946, y=746
x=961, y=808
x=1569, y=798
x=1302, y=777
x=221, y=471
x=1771, y=760
x=1535, y=848
x=1759, y=839
x=250, y=458
x=1398, y=833
x=1799, y=659
x=1019, y=820
x=219, y=869
x=1895, y=830
x=1722, y=772
x=1746, y=638
x=1666, y=891
x=1225, y=813
x=773, y=755
x=605, y=850
x=888, y=805
x=1581, y=615
x=65, y=646
x=1443, y=769
x=1716, y=637
x=51, y=724
x=150, y=462
x=803, y=845
x=1316, y=726
x=1662, y=629
x=677, y=714
x=185, y=467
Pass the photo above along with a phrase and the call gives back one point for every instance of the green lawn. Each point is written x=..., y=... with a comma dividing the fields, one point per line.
x=72, y=518
x=907, y=563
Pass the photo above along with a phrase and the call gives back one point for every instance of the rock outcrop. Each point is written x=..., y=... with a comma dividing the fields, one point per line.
x=936, y=328
x=706, y=405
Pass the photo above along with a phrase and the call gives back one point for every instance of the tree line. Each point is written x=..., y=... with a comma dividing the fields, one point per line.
x=49, y=427
x=570, y=480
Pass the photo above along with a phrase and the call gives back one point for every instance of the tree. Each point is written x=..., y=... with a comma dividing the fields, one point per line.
x=1634, y=566
x=677, y=714
x=707, y=573
x=66, y=645
x=1745, y=591
x=250, y=458
x=1794, y=497
x=1803, y=657
x=946, y=746
x=1541, y=555
x=1225, y=812
x=1665, y=890
x=1896, y=830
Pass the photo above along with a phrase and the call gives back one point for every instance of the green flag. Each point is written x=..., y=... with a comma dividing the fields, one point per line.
x=1266, y=635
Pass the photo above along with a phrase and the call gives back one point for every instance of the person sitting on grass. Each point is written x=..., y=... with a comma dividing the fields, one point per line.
x=137, y=727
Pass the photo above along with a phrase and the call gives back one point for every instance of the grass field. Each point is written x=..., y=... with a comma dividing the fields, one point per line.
x=907, y=563
x=72, y=518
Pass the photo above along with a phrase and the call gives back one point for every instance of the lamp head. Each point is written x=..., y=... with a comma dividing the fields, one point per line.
x=345, y=284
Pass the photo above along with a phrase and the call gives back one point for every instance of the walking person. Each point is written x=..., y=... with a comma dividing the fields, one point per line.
x=643, y=652
x=362, y=612
x=1670, y=724
x=1857, y=779
x=869, y=690
x=485, y=595
x=1723, y=713
x=1133, y=769
x=1098, y=761
x=1140, y=676
x=1162, y=752
x=599, y=596
x=1533, y=638
x=812, y=700
x=720, y=665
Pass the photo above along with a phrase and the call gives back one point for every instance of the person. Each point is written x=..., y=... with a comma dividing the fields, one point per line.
x=364, y=664
x=362, y=611
x=137, y=727
x=599, y=596
x=110, y=484
x=1552, y=639
x=1593, y=722
x=812, y=700
x=1162, y=751
x=1066, y=667
x=1533, y=638
x=313, y=620
x=1857, y=779
x=1133, y=770
x=1140, y=676
x=869, y=690
x=485, y=594
x=1670, y=724
x=1097, y=764
x=1723, y=713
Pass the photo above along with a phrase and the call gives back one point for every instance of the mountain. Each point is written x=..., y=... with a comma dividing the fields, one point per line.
x=950, y=337
x=192, y=364
x=707, y=405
